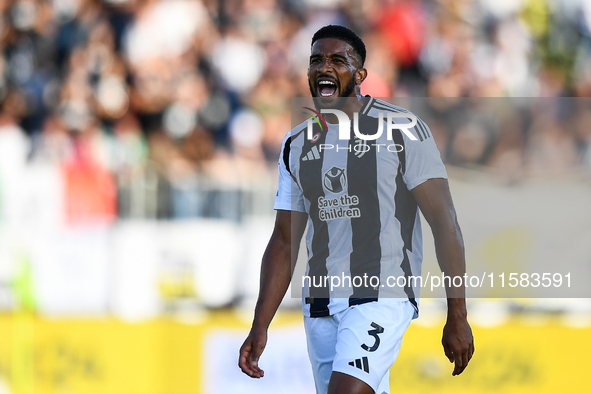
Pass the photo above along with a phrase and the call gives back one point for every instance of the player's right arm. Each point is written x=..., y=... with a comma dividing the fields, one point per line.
x=278, y=263
x=426, y=177
x=276, y=272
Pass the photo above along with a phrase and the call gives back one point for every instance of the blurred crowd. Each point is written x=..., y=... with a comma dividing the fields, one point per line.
x=188, y=100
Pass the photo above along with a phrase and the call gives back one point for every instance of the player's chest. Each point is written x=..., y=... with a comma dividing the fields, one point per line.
x=333, y=169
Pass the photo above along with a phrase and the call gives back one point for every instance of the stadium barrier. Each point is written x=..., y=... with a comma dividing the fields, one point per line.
x=164, y=356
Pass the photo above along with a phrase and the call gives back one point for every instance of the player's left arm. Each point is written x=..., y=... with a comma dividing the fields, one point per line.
x=434, y=199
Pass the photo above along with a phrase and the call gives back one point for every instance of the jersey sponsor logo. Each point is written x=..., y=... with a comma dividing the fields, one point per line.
x=336, y=208
x=312, y=154
x=335, y=180
x=360, y=363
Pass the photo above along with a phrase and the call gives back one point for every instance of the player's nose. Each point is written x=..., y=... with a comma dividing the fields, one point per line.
x=325, y=67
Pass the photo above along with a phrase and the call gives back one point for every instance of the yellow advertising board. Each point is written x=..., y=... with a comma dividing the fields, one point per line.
x=511, y=358
x=87, y=356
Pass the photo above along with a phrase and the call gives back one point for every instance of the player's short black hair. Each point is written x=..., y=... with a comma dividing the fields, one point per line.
x=343, y=34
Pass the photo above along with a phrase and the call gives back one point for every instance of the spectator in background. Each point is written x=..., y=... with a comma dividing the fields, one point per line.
x=14, y=147
x=179, y=74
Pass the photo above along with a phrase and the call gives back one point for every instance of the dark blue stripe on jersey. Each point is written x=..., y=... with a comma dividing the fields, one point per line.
x=406, y=211
x=286, y=150
x=359, y=301
x=424, y=127
x=421, y=126
x=367, y=105
x=405, y=265
x=406, y=205
x=362, y=176
x=398, y=139
x=388, y=106
x=418, y=133
x=310, y=175
x=413, y=302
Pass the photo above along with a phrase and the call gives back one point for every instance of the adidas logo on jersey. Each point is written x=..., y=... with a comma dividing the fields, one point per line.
x=312, y=154
x=359, y=362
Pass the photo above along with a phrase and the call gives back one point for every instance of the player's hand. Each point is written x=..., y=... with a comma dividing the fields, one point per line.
x=251, y=351
x=458, y=343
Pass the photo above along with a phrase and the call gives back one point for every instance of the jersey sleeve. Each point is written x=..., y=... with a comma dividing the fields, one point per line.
x=423, y=160
x=289, y=195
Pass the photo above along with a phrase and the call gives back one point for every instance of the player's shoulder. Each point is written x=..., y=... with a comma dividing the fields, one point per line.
x=293, y=134
x=420, y=130
x=288, y=139
x=298, y=130
x=375, y=106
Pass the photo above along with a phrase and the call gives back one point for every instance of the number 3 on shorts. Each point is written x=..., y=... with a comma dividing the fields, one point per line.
x=374, y=333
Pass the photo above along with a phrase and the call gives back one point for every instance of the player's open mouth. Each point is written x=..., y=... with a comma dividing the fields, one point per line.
x=326, y=88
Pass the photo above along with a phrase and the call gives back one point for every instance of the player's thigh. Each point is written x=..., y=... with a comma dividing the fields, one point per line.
x=321, y=338
x=341, y=383
x=369, y=340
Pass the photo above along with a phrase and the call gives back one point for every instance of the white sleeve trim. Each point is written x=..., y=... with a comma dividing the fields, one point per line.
x=418, y=181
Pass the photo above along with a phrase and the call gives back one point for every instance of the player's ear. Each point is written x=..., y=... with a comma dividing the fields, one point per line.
x=360, y=75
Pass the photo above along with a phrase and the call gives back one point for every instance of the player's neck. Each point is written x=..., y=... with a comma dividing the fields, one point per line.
x=351, y=105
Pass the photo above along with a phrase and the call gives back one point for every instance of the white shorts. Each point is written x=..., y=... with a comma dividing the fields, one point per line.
x=362, y=341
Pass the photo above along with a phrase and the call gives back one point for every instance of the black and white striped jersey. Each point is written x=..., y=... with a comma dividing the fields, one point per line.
x=363, y=220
